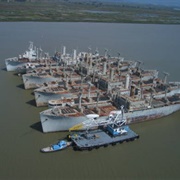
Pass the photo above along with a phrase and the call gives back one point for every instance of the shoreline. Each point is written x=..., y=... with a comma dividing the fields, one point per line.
x=87, y=12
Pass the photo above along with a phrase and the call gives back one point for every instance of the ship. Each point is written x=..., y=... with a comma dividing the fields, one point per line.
x=85, y=88
x=29, y=67
x=43, y=76
x=142, y=93
x=65, y=70
x=136, y=110
x=56, y=92
x=30, y=59
x=70, y=88
x=15, y=62
x=62, y=118
x=35, y=57
x=86, y=99
x=159, y=108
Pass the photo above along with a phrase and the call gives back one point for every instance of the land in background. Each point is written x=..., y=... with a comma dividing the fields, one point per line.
x=87, y=11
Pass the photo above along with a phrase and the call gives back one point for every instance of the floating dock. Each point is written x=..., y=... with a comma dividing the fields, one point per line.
x=102, y=137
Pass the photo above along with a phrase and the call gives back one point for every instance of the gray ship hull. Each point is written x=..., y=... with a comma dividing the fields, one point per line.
x=42, y=98
x=149, y=114
x=12, y=64
x=61, y=123
x=31, y=81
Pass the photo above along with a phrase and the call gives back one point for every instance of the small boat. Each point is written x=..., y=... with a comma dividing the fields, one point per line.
x=60, y=145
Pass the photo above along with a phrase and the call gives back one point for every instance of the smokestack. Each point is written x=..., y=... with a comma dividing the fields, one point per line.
x=80, y=97
x=89, y=91
x=104, y=68
x=141, y=92
x=127, y=81
x=71, y=74
x=37, y=53
x=111, y=74
x=97, y=101
x=166, y=95
x=64, y=50
x=119, y=63
x=74, y=54
x=165, y=77
x=90, y=62
x=64, y=71
x=67, y=79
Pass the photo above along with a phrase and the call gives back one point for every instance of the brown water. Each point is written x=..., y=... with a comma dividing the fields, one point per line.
x=156, y=155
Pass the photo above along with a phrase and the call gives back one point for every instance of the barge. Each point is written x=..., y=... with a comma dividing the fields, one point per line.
x=110, y=135
x=110, y=132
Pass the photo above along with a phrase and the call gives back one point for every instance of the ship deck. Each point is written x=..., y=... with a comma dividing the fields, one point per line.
x=104, y=110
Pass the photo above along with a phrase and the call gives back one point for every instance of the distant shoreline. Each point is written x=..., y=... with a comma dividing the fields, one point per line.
x=66, y=11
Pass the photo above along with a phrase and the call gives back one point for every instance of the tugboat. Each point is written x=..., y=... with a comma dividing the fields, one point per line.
x=60, y=145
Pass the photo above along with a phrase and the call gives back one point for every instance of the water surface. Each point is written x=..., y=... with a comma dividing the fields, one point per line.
x=154, y=156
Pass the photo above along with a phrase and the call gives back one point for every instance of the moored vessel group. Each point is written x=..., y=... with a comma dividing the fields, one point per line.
x=85, y=88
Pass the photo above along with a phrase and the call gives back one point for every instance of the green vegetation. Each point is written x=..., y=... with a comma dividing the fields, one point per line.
x=76, y=11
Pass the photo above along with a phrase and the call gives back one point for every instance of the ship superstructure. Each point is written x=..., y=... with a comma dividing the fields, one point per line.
x=61, y=118
x=76, y=89
x=42, y=76
x=35, y=57
x=142, y=93
x=85, y=83
x=32, y=58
